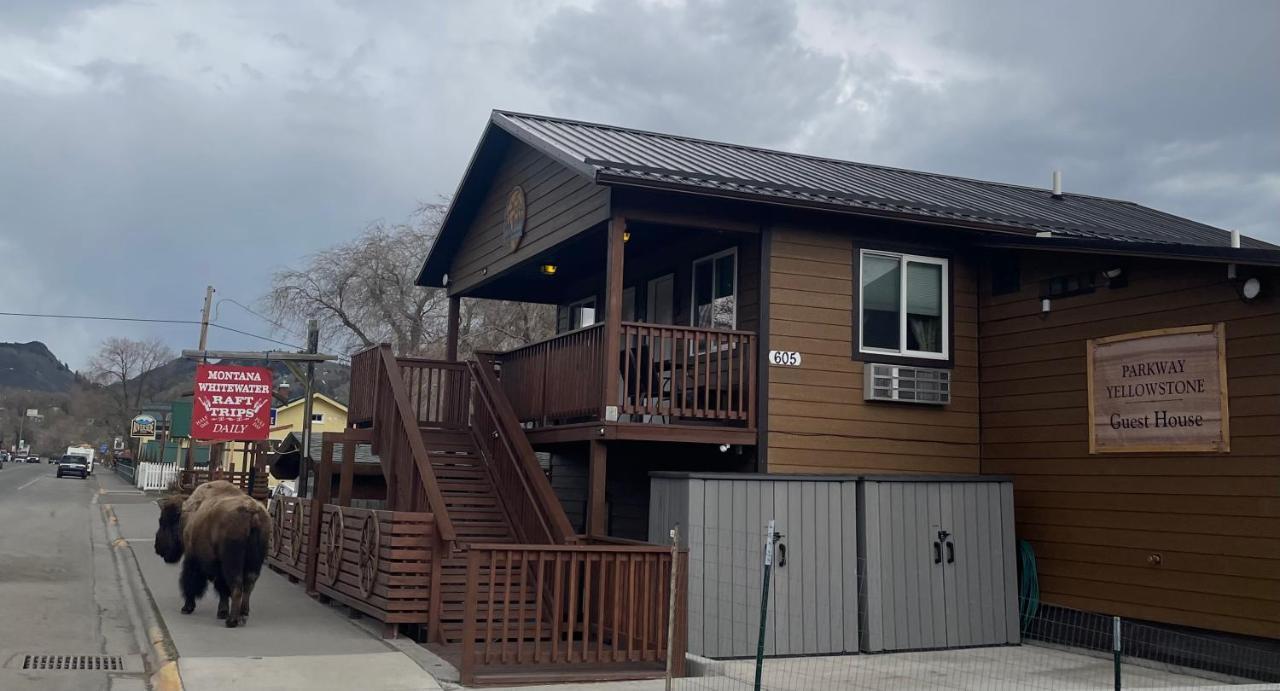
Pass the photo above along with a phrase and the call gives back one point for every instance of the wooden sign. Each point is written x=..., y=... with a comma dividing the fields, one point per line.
x=1159, y=391
x=232, y=403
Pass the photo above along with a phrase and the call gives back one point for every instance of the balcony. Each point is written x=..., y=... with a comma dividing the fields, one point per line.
x=664, y=377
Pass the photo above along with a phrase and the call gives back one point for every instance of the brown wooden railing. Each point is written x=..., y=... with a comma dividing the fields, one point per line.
x=188, y=480
x=531, y=505
x=364, y=385
x=682, y=372
x=397, y=438
x=377, y=562
x=439, y=392
x=668, y=374
x=579, y=604
x=557, y=379
x=290, y=520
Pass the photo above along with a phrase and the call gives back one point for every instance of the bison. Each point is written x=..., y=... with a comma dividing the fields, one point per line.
x=221, y=535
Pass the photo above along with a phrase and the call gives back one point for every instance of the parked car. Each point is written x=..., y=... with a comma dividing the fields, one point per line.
x=73, y=465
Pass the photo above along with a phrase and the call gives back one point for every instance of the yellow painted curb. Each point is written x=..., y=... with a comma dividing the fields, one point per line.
x=167, y=678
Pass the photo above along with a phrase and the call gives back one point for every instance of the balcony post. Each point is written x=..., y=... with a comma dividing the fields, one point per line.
x=612, y=317
x=596, y=469
x=451, y=338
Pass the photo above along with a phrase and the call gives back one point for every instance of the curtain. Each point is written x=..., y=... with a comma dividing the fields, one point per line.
x=927, y=332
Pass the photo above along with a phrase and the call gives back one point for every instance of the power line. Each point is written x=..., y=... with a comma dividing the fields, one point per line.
x=94, y=317
x=278, y=325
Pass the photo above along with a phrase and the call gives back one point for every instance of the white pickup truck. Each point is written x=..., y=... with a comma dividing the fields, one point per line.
x=85, y=452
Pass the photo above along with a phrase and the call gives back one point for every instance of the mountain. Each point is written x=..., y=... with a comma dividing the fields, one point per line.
x=33, y=366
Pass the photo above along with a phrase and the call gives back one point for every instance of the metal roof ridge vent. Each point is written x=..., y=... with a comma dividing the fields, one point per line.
x=1057, y=184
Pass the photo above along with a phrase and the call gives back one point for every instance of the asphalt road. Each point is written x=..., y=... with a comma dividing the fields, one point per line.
x=59, y=589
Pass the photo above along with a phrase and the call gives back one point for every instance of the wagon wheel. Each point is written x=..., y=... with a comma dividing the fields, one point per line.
x=370, y=540
x=333, y=547
x=277, y=528
x=295, y=539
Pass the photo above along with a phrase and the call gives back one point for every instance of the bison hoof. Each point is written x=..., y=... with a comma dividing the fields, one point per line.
x=233, y=622
x=222, y=614
x=188, y=609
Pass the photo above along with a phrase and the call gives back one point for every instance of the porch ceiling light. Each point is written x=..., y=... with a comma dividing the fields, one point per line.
x=548, y=269
x=626, y=236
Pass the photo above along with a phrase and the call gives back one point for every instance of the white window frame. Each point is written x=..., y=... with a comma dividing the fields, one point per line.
x=317, y=417
x=569, y=307
x=902, y=350
x=693, y=287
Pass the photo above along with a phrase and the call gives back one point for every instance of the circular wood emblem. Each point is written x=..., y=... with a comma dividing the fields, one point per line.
x=369, y=556
x=513, y=228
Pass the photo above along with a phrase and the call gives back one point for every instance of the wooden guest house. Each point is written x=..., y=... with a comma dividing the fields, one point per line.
x=727, y=309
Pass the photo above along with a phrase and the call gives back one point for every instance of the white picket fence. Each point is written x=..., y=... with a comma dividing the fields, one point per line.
x=155, y=476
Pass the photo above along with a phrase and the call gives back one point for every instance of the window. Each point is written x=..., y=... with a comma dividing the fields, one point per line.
x=903, y=305
x=1067, y=286
x=576, y=315
x=317, y=417
x=715, y=291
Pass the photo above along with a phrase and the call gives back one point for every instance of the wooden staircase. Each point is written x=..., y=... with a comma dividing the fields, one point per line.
x=478, y=518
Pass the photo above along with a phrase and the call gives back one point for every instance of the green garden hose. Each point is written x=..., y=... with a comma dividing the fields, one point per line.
x=1028, y=584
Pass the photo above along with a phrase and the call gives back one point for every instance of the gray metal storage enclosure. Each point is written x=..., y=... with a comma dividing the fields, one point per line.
x=813, y=604
x=870, y=564
x=939, y=562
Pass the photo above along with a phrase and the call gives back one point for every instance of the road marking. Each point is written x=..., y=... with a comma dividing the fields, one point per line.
x=31, y=482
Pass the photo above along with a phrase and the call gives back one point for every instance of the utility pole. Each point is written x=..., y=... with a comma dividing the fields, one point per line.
x=204, y=320
x=313, y=346
x=204, y=342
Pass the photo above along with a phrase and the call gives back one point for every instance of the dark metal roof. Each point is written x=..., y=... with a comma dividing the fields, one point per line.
x=620, y=156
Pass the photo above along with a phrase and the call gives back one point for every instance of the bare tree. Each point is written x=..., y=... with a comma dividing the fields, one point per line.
x=363, y=292
x=125, y=366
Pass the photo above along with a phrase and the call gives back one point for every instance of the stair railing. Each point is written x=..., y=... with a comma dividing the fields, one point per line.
x=531, y=504
x=399, y=430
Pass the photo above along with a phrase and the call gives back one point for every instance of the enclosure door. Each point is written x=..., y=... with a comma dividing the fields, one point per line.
x=978, y=558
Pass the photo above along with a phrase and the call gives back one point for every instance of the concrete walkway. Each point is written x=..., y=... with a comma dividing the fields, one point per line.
x=290, y=641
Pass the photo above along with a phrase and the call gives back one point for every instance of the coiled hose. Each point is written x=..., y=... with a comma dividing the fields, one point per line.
x=1028, y=584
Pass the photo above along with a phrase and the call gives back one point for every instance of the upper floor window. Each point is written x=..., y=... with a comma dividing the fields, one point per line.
x=317, y=417
x=715, y=291
x=903, y=305
x=576, y=315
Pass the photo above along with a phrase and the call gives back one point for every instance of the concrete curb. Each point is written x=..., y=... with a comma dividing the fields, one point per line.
x=154, y=639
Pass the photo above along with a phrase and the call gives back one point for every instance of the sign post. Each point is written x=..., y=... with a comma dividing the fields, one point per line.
x=1159, y=391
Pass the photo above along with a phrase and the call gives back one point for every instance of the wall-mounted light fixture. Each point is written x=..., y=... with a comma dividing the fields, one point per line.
x=548, y=269
x=626, y=236
x=1116, y=277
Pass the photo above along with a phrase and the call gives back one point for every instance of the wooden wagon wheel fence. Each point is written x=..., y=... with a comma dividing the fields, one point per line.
x=288, y=553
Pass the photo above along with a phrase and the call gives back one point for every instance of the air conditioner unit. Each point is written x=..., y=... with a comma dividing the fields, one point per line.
x=905, y=384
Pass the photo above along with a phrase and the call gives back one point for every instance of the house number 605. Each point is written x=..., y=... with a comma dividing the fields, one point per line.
x=784, y=358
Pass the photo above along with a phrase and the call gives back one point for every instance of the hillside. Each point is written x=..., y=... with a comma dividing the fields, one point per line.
x=32, y=366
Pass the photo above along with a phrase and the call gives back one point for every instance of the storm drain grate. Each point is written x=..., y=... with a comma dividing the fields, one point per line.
x=72, y=663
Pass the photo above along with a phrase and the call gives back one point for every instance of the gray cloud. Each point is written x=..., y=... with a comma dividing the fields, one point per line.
x=151, y=149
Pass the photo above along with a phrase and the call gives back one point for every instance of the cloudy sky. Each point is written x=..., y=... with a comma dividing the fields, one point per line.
x=149, y=148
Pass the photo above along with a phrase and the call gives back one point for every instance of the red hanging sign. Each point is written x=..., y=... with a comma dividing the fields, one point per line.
x=232, y=403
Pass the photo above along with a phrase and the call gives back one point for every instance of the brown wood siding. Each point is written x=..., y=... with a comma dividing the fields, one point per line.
x=1095, y=520
x=818, y=421
x=559, y=203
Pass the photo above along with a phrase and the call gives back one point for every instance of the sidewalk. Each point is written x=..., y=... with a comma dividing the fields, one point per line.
x=290, y=641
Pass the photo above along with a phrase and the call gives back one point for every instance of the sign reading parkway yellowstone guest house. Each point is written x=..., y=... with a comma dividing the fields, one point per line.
x=1159, y=391
x=232, y=403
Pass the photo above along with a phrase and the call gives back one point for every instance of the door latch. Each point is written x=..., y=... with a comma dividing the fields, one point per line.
x=782, y=550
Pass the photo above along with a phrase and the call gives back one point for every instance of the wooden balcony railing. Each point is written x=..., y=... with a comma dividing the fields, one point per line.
x=668, y=374
x=682, y=372
x=570, y=604
x=252, y=482
x=557, y=379
x=531, y=504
